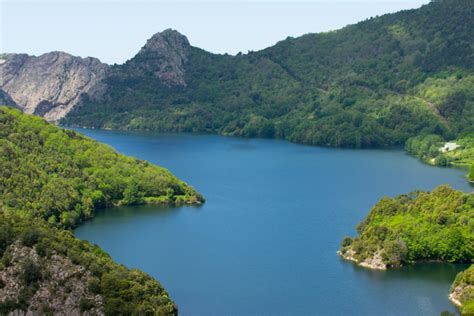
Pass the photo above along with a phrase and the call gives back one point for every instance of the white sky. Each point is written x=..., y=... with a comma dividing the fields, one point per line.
x=114, y=31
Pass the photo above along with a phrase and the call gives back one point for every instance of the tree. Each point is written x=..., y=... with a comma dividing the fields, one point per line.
x=132, y=194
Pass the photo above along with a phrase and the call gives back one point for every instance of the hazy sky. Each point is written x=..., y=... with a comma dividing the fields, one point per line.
x=115, y=30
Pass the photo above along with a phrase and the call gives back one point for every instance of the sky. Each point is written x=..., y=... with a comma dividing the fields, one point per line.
x=114, y=30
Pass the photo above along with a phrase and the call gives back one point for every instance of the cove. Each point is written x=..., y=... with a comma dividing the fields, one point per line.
x=265, y=241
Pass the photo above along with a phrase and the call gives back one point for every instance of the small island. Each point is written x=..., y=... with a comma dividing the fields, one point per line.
x=435, y=226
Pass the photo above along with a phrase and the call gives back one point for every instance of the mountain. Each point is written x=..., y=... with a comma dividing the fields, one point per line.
x=163, y=57
x=47, y=271
x=63, y=177
x=376, y=83
x=5, y=99
x=51, y=180
x=51, y=84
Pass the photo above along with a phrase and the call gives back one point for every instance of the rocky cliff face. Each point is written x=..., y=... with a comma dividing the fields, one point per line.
x=51, y=84
x=462, y=291
x=35, y=285
x=5, y=99
x=375, y=262
x=163, y=56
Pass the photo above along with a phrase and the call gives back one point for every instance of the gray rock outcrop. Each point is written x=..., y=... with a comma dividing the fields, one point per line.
x=5, y=99
x=51, y=84
x=163, y=56
x=60, y=286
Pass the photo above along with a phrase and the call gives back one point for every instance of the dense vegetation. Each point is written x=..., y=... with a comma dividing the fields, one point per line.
x=376, y=83
x=463, y=286
x=124, y=291
x=428, y=149
x=417, y=226
x=51, y=179
x=62, y=176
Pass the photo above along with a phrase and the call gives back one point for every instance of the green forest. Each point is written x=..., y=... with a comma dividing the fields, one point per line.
x=63, y=177
x=401, y=79
x=52, y=179
x=373, y=84
x=420, y=226
x=124, y=291
x=428, y=149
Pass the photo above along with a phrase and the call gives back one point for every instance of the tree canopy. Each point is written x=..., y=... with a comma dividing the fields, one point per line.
x=62, y=176
x=372, y=84
x=51, y=179
x=437, y=225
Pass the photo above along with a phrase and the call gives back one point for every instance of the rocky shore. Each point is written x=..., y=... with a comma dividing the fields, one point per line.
x=374, y=262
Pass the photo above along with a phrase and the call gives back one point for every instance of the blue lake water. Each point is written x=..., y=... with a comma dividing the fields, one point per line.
x=265, y=241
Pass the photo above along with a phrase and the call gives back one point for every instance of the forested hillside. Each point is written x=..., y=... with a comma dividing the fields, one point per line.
x=431, y=149
x=47, y=271
x=52, y=179
x=375, y=83
x=62, y=176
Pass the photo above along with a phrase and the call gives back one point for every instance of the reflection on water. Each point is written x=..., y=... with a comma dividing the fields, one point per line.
x=125, y=212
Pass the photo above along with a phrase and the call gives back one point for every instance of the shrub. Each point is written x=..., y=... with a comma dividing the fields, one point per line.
x=31, y=272
x=30, y=237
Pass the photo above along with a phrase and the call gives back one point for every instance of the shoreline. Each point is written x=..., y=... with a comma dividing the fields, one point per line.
x=454, y=299
x=379, y=265
x=374, y=263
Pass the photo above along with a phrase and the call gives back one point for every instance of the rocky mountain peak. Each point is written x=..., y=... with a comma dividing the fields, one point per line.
x=164, y=56
x=164, y=42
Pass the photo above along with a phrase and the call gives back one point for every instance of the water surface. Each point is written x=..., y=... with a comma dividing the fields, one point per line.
x=265, y=242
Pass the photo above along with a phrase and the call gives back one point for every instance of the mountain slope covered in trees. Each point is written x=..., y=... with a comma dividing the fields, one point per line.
x=375, y=83
x=45, y=270
x=62, y=176
x=52, y=179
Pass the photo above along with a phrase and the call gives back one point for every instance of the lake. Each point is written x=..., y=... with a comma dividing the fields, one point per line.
x=265, y=241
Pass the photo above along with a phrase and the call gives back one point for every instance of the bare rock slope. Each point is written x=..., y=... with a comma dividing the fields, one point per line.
x=163, y=56
x=51, y=84
x=42, y=286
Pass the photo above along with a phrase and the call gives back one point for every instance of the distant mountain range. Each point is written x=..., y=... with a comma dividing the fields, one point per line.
x=372, y=84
